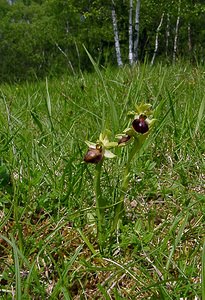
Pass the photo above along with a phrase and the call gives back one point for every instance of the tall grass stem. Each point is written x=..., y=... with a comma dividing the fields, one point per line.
x=100, y=205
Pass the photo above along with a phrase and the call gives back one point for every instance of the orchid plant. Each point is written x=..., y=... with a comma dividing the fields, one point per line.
x=141, y=124
x=96, y=154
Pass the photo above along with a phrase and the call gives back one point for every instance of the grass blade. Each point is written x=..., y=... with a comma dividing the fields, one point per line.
x=37, y=120
x=17, y=270
x=18, y=295
x=203, y=273
x=200, y=115
x=60, y=284
x=177, y=239
x=113, y=111
x=48, y=106
x=104, y=292
x=173, y=113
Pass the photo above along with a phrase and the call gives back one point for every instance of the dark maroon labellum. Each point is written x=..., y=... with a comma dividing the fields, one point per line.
x=140, y=125
x=93, y=156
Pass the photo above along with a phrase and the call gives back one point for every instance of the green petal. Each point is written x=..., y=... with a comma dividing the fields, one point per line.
x=131, y=113
x=151, y=122
x=129, y=131
x=109, y=154
x=101, y=137
x=111, y=145
x=144, y=109
x=90, y=144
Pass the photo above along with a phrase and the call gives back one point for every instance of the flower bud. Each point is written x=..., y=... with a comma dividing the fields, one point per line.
x=140, y=125
x=124, y=139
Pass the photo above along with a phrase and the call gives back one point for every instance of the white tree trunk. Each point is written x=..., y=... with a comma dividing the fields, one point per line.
x=130, y=34
x=189, y=38
x=157, y=39
x=167, y=35
x=176, y=32
x=116, y=35
x=136, y=30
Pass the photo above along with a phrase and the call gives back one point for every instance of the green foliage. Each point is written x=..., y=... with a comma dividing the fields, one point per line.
x=46, y=38
x=47, y=232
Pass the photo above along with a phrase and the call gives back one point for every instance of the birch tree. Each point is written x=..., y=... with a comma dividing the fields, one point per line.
x=136, y=31
x=116, y=35
x=157, y=38
x=130, y=33
x=167, y=35
x=176, y=32
x=189, y=37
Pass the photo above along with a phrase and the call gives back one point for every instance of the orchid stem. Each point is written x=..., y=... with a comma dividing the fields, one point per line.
x=119, y=208
x=100, y=205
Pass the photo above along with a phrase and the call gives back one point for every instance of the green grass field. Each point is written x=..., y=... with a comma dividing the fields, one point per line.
x=48, y=243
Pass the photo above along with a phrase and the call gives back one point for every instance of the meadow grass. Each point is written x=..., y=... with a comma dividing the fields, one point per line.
x=48, y=242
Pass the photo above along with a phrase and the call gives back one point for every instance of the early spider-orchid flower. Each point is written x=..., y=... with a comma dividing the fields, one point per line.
x=97, y=151
x=142, y=122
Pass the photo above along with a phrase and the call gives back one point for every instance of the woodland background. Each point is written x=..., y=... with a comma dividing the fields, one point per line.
x=41, y=38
